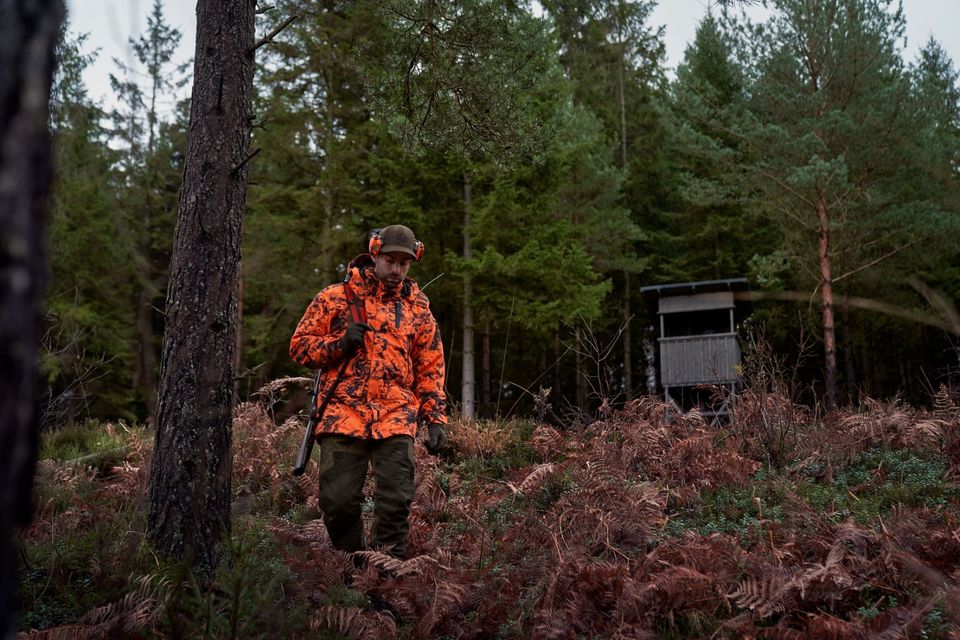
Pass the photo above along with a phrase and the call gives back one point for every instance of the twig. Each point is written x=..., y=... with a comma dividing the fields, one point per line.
x=503, y=363
x=889, y=254
x=536, y=380
x=432, y=281
x=250, y=157
x=268, y=39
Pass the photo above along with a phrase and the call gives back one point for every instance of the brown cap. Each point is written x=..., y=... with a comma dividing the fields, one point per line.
x=397, y=237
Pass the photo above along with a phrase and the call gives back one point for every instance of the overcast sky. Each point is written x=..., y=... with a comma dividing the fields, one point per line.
x=111, y=22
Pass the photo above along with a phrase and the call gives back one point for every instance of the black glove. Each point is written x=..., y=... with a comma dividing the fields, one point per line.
x=353, y=337
x=437, y=438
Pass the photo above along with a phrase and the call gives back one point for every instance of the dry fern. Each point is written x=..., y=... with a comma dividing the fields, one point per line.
x=772, y=593
x=446, y=596
x=536, y=477
x=128, y=616
x=944, y=407
x=398, y=567
x=354, y=622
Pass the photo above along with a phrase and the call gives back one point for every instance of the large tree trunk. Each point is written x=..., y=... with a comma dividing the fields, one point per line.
x=826, y=285
x=468, y=387
x=190, y=479
x=28, y=33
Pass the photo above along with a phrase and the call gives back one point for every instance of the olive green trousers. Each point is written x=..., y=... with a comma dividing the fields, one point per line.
x=343, y=470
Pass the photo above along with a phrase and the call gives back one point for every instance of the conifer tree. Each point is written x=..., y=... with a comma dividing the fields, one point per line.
x=717, y=229
x=87, y=355
x=459, y=78
x=613, y=57
x=327, y=174
x=147, y=204
x=936, y=86
x=833, y=144
x=190, y=478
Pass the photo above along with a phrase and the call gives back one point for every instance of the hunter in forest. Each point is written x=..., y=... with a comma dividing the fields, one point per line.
x=375, y=333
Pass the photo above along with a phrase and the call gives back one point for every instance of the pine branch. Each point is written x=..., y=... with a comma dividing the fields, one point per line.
x=269, y=38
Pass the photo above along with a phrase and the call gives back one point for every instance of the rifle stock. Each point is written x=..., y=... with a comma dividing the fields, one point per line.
x=358, y=314
x=306, y=445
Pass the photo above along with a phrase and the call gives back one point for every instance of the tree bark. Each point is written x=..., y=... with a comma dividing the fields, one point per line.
x=28, y=34
x=826, y=285
x=557, y=394
x=189, y=515
x=468, y=386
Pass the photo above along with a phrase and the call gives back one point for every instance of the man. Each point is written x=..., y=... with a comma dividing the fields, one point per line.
x=377, y=327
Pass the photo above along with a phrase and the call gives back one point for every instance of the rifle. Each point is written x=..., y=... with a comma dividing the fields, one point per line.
x=306, y=445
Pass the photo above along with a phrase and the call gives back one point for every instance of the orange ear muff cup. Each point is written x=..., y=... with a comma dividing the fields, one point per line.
x=376, y=242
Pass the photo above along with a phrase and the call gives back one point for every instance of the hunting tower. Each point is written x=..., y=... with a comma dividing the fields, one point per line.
x=698, y=340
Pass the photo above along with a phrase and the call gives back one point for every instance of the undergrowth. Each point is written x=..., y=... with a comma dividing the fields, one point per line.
x=630, y=527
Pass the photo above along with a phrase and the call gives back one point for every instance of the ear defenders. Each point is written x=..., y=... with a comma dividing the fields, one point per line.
x=375, y=242
x=375, y=245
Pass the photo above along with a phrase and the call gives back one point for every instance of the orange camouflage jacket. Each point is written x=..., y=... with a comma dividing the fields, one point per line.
x=396, y=378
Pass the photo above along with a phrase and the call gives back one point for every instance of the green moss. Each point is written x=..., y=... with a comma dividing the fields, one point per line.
x=865, y=489
x=79, y=440
x=734, y=510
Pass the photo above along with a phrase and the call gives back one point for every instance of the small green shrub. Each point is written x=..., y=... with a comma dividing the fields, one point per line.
x=245, y=600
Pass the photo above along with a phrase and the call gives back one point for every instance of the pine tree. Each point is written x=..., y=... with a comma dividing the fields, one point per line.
x=88, y=341
x=460, y=78
x=936, y=87
x=147, y=205
x=190, y=478
x=327, y=174
x=833, y=144
x=613, y=58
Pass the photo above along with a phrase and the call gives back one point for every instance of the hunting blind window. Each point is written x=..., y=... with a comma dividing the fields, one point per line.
x=698, y=350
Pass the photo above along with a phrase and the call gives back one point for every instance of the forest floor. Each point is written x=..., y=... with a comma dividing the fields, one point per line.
x=778, y=525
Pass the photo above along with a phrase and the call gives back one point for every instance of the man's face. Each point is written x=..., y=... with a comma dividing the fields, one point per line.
x=392, y=267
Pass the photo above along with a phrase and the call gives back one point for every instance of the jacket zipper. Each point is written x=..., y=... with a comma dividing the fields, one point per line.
x=396, y=314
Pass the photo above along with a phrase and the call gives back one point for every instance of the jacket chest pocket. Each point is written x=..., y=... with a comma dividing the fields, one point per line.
x=394, y=321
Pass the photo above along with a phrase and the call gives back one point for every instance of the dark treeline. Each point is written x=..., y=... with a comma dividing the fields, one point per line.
x=556, y=171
